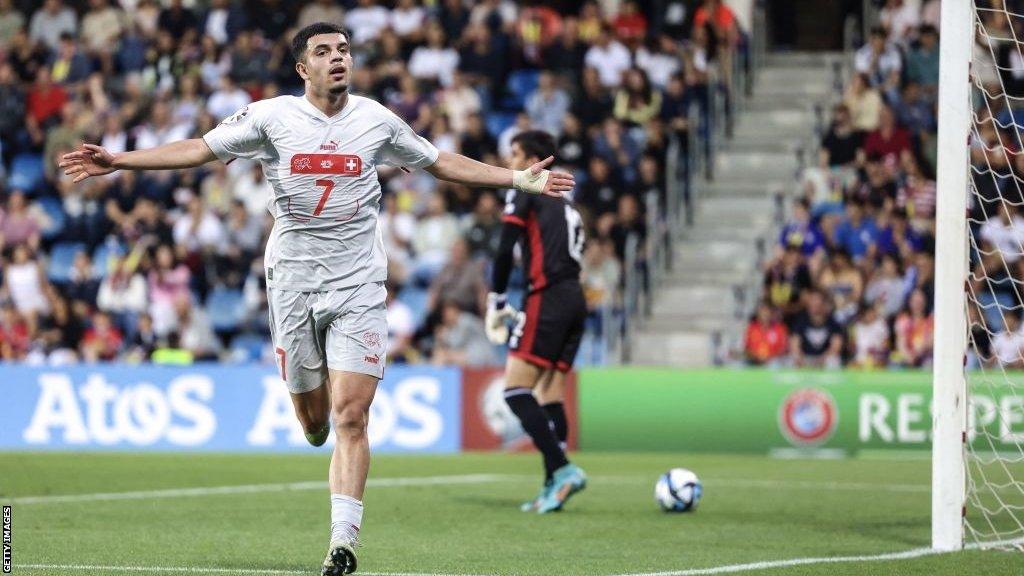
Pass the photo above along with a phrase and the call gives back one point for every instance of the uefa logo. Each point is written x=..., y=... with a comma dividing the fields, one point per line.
x=808, y=417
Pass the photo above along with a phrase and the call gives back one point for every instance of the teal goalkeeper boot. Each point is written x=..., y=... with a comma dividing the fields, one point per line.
x=532, y=505
x=567, y=480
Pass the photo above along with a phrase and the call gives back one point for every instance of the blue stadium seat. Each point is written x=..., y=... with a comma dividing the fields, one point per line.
x=62, y=257
x=248, y=347
x=225, y=309
x=416, y=299
x=104, y=256
x=497, y=122
x=26, y=173
x=55, y=212
x=519, y=85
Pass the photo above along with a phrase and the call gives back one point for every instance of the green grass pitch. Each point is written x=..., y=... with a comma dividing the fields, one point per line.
x=754, y=509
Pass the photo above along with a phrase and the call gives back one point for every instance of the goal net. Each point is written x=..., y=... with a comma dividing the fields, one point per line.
x=979, y=395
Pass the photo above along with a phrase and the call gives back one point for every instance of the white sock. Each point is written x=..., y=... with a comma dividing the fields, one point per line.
x=346, y=516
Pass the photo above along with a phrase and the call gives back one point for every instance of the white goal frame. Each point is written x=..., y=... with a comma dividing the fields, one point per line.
x=949, y=384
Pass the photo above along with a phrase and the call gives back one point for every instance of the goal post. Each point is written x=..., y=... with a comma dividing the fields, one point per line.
x=949, y=473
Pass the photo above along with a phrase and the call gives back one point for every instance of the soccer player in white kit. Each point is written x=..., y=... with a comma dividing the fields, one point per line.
x=325, y=261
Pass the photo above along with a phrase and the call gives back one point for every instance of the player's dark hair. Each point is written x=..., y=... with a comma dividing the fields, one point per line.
x=302, y=37
x=535, y=143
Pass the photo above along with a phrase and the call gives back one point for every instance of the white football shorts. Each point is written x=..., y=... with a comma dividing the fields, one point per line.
x=344, y=329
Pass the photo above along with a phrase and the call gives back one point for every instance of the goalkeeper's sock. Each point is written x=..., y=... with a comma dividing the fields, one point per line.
x=346, y=516
x=556, y=414
x=535, y=422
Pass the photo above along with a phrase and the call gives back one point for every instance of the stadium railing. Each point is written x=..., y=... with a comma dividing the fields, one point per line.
x=687, y=170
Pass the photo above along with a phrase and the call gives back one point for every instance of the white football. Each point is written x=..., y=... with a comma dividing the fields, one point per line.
x=678, y=490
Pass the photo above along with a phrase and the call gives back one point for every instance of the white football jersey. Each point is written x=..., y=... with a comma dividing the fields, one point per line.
x=324, y=175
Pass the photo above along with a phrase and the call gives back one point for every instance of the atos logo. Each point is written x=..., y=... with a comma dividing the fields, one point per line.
x=808, y=417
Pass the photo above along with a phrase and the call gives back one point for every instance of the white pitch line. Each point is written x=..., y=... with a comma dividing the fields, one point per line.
x=200, y=570
x=770, y=564
x=256, y=488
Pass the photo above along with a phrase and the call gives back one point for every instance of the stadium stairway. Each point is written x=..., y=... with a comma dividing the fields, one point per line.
x=700, y=307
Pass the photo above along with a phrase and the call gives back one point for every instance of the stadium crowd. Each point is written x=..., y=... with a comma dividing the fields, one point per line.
x=167, y=266
x=851, y=281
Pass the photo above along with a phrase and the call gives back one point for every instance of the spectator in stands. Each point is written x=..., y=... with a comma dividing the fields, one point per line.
x=609, y=58
x=870, y=336
x=887, y=287
x=890, y=140
x=407, y=18
x=195, y=330
x=102, y=341
x=82, y=283
x=101, y=26
x=69, y=65
x=461, y=340
x=599, y=194
x=766, y=340
x=483, y=227
x=547, y=105
x=618, y=148
x=879, y=60
x=227, y=100
x=45, y=101
x=661, y=61
x=51, y=21
x=1008, y=343
x=521, y=124
x=817, y=340
x=595, y=103
x=199, y=229
x=223, y=21
x=842, y=141
x=460, y=282
x=460, y=101
x=785, y=281
x=477, y=142
x=914, y=112
x=366, y=21
x=435, y=61
x=11, y=21
x=18, y=224
x=176, y=19
x=864, y=103
x=59, y=332
x=253, y=190
x=122, y=294
x=435, y=235
x=140, y=346
x=1005, y=231
x=801, y=232
x=25, y=282
x=901, y=19
x=844, y=285
x=637, y=102
x=14, y=334
x=401, y=328
x=914, y=331
x=168, y=283
x=923, y=62
x=857, y=233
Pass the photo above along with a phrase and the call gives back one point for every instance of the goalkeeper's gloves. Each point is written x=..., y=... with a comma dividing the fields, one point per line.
x=527, y=181
x=499, y=311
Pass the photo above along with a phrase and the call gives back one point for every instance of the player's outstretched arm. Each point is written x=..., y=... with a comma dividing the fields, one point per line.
x=92, y=160
x=536, y=179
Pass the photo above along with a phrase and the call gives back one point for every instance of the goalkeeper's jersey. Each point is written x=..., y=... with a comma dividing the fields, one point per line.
x=552, y=245
x=323, y=171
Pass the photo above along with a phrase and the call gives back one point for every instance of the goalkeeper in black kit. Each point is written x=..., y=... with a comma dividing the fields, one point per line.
x=546, y=334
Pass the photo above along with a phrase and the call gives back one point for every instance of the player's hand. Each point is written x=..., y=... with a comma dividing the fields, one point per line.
x=538, y=180
x=496, y=322
x=90, y=161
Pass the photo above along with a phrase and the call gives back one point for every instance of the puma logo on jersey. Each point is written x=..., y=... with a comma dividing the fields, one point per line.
x=375, y=359
x=335, y=164
x=330, y=146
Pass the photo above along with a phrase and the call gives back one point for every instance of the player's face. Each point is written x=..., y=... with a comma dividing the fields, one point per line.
x=519, y=161
x=328, y=63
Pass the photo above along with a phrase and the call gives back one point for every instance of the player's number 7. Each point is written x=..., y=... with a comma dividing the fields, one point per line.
x=328, y=187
